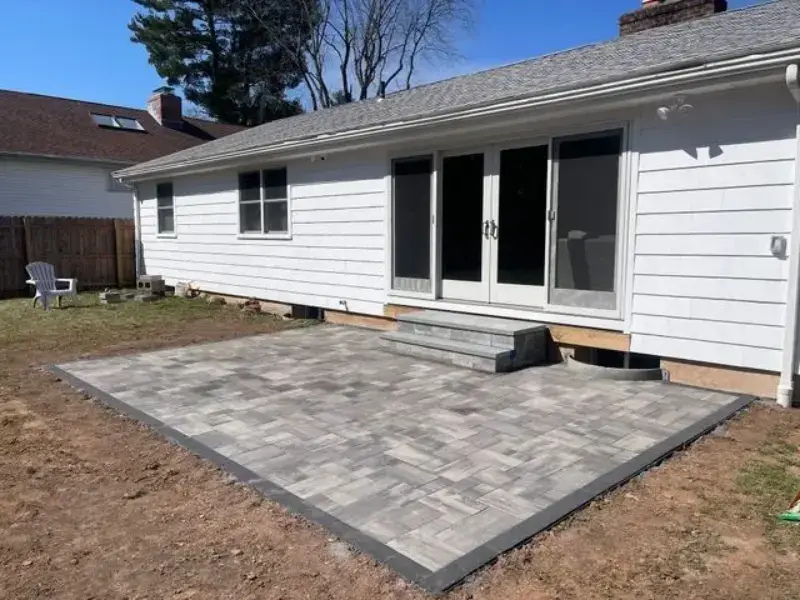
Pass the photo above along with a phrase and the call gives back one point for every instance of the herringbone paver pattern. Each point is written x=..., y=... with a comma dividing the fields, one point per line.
x=429, y=459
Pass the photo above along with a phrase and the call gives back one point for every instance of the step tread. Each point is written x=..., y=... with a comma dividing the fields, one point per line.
x=479, y=323
x=446, y=344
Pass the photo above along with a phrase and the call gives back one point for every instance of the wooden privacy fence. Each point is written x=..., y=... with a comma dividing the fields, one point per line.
x=98, y=252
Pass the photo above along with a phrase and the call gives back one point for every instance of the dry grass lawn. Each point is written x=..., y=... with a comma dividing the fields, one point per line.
x=94, y=506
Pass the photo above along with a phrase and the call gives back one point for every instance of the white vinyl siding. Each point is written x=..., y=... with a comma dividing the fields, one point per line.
x=50, y=188
x=713, y=188
x=335, y=258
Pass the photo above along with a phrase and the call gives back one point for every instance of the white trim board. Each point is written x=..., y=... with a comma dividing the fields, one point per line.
x=510, y=312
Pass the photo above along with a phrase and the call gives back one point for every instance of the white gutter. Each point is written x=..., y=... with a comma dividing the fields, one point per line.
x=785, y=392
x=756, y=62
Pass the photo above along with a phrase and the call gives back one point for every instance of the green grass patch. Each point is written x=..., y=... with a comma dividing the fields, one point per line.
x=771, y=482
x=83, y=321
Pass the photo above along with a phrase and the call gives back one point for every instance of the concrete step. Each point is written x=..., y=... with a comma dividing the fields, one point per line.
x=440, y=320
x=488, y=359
x=527, y=338
x=488, y=344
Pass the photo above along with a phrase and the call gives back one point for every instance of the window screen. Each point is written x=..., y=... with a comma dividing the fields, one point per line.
x=411, y=206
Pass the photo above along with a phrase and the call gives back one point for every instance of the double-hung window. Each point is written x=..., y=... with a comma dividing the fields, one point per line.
x=166, y=208
x=264, y=202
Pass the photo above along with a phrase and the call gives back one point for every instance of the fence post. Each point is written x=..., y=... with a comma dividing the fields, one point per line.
x=118, y=245
x=28, y=240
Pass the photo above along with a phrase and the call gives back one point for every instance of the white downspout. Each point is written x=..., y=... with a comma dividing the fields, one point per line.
x=786, y=385
x=137, y=234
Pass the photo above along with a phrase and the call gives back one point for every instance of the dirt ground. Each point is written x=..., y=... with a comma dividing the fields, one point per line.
x=93, y=505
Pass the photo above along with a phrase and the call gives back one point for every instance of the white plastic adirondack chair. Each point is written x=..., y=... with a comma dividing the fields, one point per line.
x=43, y=276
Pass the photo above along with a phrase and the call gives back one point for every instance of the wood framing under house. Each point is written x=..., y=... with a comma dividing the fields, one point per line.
x=717, y=377
x=370, y=322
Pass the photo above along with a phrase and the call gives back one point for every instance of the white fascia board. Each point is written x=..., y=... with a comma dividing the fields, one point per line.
x=696, y=76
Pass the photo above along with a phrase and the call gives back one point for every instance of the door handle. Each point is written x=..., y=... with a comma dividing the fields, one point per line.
x=486, y=229
x=494, y=230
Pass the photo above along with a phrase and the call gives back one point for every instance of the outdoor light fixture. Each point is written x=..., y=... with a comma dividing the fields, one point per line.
x=677, y=106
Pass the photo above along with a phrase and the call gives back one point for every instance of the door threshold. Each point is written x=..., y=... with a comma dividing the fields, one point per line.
x=579, y=318
x=495, y=304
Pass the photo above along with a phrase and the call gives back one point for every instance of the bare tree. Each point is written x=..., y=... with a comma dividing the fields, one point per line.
x=352, y=49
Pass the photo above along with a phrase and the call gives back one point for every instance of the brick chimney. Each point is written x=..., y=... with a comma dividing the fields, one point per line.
x=166, y=108
x=655, y=13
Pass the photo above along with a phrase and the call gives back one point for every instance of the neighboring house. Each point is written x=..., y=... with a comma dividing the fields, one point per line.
x=639, y=194
x=57, y=155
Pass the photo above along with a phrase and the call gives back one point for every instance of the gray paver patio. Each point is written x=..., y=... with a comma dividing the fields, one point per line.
x=431, y=460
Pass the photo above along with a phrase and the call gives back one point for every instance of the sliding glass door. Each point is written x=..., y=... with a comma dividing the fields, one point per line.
x=494, y=225
x=528, y=224
x=586, y=191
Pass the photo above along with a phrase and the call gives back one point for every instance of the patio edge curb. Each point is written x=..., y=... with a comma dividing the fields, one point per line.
x=404, y=566
x=454, y=573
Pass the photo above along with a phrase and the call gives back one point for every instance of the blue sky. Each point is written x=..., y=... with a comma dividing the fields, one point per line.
x=82, y=49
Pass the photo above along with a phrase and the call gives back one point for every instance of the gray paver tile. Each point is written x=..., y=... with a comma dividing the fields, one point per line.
x=376, y=439
x=426, y=550
x=470, y=533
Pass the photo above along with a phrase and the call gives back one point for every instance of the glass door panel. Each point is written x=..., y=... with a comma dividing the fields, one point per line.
x=411, y=219
x=519, y=228
x=464, y=235
x=584, y=244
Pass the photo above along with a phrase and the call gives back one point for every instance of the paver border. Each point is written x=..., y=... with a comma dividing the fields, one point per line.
x=434, y=582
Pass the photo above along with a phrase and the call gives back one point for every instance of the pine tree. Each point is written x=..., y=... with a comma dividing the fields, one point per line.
x=225, y=61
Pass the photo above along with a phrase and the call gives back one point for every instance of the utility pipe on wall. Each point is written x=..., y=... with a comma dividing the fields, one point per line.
x=786, y=385
x=137, y=232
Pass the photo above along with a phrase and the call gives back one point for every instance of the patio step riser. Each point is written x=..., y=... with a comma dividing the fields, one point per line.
x=499, y=364
x=504, y=342
x=530, y=346
x=486, y=344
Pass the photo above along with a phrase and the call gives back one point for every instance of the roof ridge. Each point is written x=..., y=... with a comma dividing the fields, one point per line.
x=755, y=29
x=664, y=28
x=143, y=111
x=74, y=100
x=212, y=121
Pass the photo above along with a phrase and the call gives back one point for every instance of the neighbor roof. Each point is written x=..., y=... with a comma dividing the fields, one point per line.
x=766, y=27
x=49, y=126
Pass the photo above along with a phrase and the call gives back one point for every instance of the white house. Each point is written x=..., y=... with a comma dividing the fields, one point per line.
x=639, y=195
x=57, y=155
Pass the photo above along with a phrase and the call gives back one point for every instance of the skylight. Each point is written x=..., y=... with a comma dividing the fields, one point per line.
x=117, y=122
x=128, y=123
x=104, y=120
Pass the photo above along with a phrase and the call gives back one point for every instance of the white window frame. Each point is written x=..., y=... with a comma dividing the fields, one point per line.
x=628, y=176
x=166, y=233
x=262, y=201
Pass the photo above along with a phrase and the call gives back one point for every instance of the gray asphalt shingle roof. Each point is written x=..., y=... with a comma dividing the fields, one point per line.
x=761, y=28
